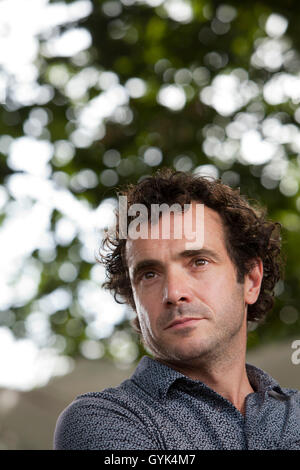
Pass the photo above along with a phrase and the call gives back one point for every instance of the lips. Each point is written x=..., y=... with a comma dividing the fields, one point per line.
x=181, y=322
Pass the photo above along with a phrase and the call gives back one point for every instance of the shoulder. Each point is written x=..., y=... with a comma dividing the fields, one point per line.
x=292, y=393
x=110, y=419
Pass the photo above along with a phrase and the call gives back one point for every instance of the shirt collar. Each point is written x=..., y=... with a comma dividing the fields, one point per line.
x=156, y=378
x=260, y=380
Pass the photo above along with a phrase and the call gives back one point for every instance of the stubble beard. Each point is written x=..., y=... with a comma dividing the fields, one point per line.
x=217, y=342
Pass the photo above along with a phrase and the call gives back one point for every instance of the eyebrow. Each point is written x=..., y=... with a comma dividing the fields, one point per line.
x=147, y=263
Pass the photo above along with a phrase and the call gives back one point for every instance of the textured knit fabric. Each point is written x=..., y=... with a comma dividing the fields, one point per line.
x=160, y=408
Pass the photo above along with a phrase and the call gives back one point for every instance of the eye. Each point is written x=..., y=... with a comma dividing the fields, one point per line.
x=146, y=276
x=197, y=261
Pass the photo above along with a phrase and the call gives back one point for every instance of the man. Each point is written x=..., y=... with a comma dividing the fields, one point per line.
x=193, y=298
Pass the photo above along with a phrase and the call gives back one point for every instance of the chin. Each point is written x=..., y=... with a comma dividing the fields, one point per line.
x=181, y=354
x=194, y=349
x=181, y=351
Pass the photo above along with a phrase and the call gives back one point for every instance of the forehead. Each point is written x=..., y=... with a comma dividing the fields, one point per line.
x=214, y=237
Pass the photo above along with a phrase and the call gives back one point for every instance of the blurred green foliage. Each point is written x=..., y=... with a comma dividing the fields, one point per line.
x=189, y=51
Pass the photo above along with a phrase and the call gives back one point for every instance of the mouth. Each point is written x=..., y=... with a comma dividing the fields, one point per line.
x=182, y=323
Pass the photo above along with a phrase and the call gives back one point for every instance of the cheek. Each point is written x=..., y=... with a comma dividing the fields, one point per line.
x=214, y=290
x=139, y=300
x=208, y=286
x=142, y=309
x=144, y=298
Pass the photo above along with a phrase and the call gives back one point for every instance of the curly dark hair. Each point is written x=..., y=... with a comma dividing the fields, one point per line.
x=248, y=234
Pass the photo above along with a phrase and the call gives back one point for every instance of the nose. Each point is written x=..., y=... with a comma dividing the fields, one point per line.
x=176, y=289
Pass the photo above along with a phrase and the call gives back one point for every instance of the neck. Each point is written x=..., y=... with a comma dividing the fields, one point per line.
x=228, y=377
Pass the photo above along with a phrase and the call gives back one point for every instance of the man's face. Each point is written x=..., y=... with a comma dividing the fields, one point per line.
x=197, y=291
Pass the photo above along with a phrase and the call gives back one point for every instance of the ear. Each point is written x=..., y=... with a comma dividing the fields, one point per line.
x=253, y=282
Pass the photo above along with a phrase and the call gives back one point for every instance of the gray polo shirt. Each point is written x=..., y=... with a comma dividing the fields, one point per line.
x=160, y=408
